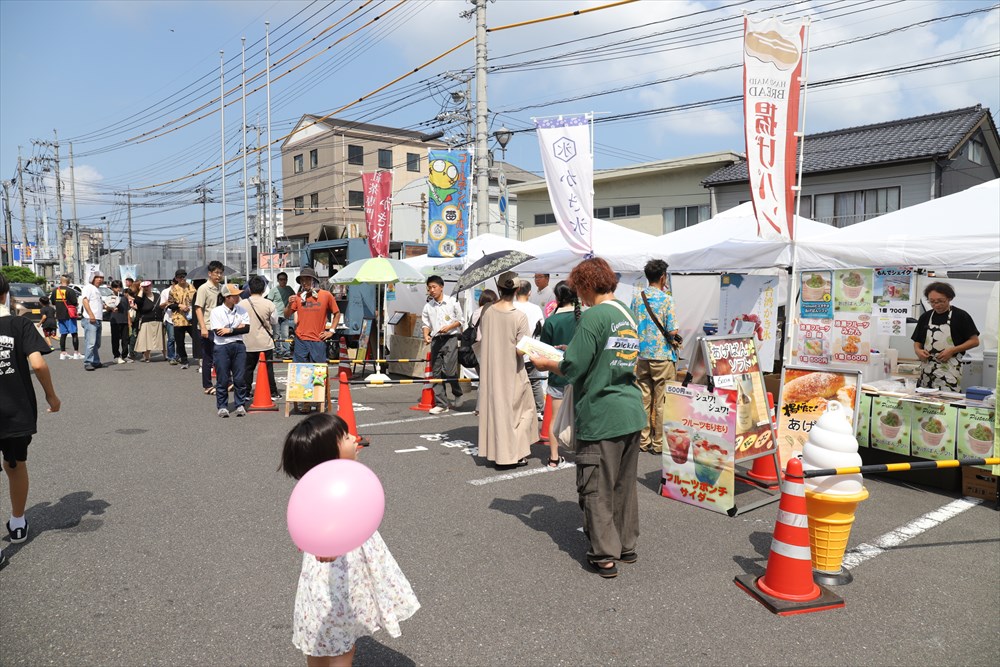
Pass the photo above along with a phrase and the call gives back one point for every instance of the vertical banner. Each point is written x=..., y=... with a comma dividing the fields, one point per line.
x=448, y=206
x=772, y=65
x=699, y=460
x=747, y=306
x=89, y=269
x=378, y=211
x=569, y=173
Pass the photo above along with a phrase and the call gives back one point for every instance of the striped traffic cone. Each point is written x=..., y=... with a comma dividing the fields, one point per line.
x=345, y=409
x=787, y=586
x=427, y=395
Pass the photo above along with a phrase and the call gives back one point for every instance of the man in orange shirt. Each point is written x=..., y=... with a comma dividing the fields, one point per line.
x=313, y=306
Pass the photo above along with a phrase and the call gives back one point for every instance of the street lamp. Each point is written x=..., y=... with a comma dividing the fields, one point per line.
x=503, y=136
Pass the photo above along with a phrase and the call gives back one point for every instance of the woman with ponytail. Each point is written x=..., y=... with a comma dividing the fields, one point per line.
x=558, y=332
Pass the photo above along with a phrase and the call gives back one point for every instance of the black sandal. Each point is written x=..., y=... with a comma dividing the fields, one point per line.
x=555, y=463
x=629, y=556
x=605, y=572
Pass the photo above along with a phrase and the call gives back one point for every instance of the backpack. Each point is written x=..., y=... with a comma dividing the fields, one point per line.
x=466, y=355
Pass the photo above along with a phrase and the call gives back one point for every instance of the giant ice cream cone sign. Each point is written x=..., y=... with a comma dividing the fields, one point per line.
x=831, y=501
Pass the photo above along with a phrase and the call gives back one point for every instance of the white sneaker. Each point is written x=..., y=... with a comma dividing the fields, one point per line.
x=63, y=355
x=119, y=360
x=77, y=355
x=438, y=410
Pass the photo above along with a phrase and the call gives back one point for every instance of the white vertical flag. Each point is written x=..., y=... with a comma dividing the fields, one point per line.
x=772, y=65
x=569, y=172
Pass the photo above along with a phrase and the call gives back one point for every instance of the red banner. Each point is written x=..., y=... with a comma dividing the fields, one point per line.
x=378, y=211
x=772, y=66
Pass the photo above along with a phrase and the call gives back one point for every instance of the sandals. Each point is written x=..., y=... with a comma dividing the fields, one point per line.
x=210, y=390
x=555, y=463
x=629, y=556
x=605, y=572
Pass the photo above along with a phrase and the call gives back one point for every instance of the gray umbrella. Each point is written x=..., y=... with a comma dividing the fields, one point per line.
x=491, y=265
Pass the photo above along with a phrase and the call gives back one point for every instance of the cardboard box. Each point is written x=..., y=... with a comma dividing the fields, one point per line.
x=406, y=325
x=979, y=483
x=408, y=347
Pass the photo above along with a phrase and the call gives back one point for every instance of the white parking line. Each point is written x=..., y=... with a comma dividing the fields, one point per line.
x=894, y=538
x=414, y=419
x=522, y=473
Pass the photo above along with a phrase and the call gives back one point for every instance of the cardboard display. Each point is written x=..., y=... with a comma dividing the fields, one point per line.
x=308, y=383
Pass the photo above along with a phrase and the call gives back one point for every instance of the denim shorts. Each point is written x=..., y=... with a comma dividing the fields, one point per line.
x=309, y=351
x=555, y=392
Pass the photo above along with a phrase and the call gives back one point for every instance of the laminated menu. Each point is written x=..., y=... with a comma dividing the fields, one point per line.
x=537, y=348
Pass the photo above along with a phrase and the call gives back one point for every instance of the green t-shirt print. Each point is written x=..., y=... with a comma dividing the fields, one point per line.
x=600, y=362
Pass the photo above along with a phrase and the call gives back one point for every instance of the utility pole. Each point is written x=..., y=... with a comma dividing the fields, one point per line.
x=7, y=223
x=482, y=157
x=243, y=131
x=263, y=226
x=78, y=265
x=129, y=197
x=59, y=216
x=24, y=220
x=204, y=239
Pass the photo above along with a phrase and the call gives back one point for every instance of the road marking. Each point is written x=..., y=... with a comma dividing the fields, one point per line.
x=418, y=448
x=522, y=473
x=894, y=538
x=414, y=419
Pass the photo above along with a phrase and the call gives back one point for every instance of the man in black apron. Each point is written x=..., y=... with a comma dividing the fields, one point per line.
x=941, y=337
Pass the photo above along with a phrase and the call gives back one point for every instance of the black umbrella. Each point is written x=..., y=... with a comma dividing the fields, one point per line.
x=490, y=266
x=201, y=273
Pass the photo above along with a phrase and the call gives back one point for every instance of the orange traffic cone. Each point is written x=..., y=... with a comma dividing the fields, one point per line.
x=764, y=472
x=427, y=395
x=262, y=389
x=345, y=409
x=787, y=586
x=546, y=420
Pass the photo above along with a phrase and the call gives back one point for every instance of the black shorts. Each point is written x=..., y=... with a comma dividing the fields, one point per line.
x=15, y=449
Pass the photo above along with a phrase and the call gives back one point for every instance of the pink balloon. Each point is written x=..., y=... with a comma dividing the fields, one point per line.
x=335, y=508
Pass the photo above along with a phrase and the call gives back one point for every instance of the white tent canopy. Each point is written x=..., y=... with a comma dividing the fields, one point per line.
x=958, y=232
x=478, y=246
x=729, y=242
x=626, y=250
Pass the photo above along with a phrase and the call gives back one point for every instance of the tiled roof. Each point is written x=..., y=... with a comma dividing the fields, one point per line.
x=903, y=140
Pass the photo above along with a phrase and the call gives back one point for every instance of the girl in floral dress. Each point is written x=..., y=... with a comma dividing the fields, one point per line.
x=341, y=599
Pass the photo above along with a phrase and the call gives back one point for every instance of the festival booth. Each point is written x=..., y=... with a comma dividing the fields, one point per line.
x=846, y=310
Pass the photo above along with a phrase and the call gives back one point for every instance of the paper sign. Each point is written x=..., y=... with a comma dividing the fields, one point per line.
x=805, y=394
x=816, y=295
x=852, y=291
x=307, y=383
x=976, y=434
x=890, y=425
x=852, y=338
x=932, y=431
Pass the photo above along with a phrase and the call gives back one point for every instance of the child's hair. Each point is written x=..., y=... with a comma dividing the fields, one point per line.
x=44, y=300
x=565, y=296
x=312, y=441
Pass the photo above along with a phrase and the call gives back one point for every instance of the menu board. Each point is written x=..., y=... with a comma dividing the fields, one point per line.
x=805, y=394
x=699, y=460
x=733, y=366
x=836, y=332
x=890, y=424
x=932, y=431
x=976, y=434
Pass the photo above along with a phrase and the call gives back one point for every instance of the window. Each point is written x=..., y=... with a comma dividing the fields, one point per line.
x=355, y=155
x=299, y=205
x=314, y=202
x=627, y=211
x=602, y=213
x=681, y=217
x=413, y=162
x=805, y=208
x=976, y=151
x=842, y=209
x=385, y=158
x=297, y=163
x=545, y=219
x=314, y=158
x=356, y=200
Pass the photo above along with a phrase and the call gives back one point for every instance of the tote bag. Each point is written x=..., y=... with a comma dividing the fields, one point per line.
x=563, y=426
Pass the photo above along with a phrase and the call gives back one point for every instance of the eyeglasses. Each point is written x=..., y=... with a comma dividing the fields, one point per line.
x=937, y=302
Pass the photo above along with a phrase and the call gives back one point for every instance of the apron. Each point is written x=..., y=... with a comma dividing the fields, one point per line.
x=934, y=374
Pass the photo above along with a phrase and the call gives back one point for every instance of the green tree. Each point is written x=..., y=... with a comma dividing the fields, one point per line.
x=22, y=274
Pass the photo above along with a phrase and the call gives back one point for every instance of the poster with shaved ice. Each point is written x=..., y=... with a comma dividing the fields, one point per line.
x=976, y=434
x=890, y=425
x=699, y=460
x=932, y=431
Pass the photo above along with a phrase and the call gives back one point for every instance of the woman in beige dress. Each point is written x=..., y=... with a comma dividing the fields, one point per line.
x=507, y=421
x=150, y=327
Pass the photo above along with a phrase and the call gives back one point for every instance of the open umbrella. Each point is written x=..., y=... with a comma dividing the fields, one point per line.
x=201, y=273
x=377, y=271
x=491, y=265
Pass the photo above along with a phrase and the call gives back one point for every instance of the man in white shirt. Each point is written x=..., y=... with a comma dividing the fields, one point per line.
x=535, y=316
x=543, y=294
x=93, y=321
x=442, y=320
x=229, y=322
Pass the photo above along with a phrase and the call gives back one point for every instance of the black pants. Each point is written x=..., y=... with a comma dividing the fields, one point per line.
x=207, y=352
x=179, y=346
x=253, y=361
x=119, y=340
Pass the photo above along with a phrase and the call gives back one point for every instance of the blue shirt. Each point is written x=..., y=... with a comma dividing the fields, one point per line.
x=652, y=344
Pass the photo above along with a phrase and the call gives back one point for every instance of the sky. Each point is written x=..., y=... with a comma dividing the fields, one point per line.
x=134, y=85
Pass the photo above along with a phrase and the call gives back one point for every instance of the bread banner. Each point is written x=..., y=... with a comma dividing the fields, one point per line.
x=771, y=47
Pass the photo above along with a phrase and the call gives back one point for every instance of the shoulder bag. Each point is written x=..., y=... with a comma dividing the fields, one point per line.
x=674, y=341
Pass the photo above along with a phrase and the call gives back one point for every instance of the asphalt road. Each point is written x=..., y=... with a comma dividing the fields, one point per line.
x=158, y=538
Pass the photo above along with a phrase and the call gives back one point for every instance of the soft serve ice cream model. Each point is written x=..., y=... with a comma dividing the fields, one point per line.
x=831, y=500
